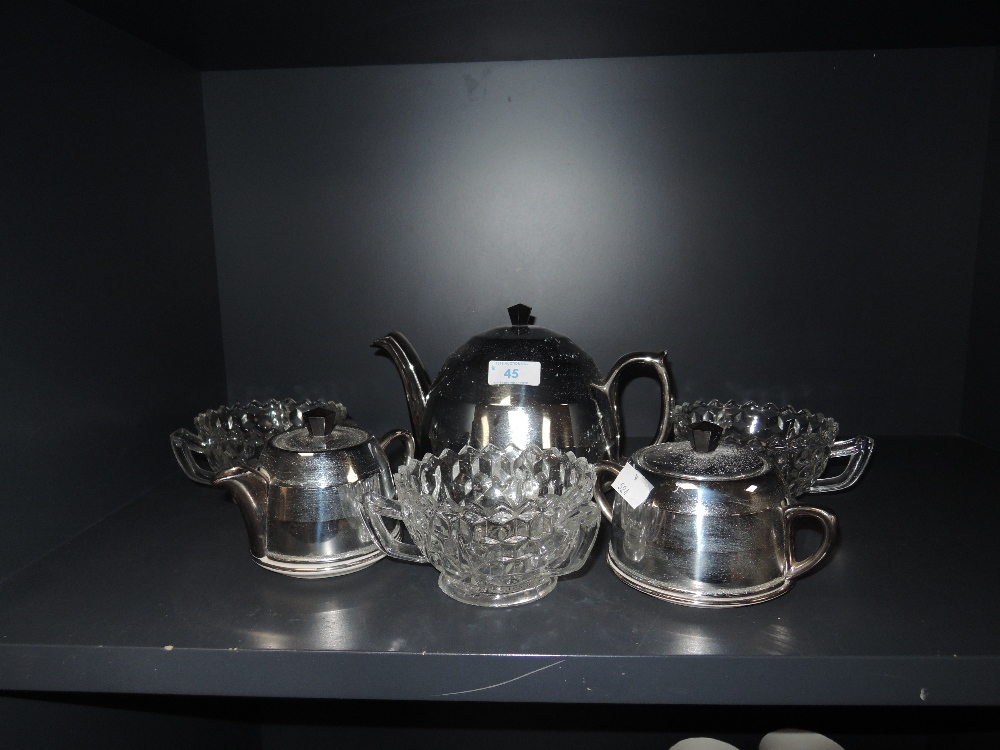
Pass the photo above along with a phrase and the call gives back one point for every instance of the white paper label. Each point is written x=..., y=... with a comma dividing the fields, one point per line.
x=525, y=373
x=632, y=486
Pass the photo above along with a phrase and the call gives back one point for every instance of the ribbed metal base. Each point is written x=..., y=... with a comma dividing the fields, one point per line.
x=323, y=569
x=692, y=599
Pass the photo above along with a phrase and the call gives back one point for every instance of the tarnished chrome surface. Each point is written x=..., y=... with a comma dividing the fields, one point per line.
x=499, y=525
x=703, y=540
x=302, y=504
x=798, y=442
x=572, y=408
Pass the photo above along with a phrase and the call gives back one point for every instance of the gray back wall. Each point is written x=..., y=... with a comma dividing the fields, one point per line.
x=111, y=335
x=793, y=227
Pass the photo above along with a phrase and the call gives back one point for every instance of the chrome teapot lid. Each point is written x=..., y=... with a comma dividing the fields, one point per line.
x=321, y=434
x=320, y=454
x=705, y=478
x=702, y=457
x=567, y=372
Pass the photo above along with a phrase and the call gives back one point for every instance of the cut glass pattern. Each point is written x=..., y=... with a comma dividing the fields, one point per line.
x=797, y=441
x=500, y=522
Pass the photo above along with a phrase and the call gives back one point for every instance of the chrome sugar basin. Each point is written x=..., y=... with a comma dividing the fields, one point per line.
x=499, y=524
x=302, y=502
x=798, y=442
x=714, y=530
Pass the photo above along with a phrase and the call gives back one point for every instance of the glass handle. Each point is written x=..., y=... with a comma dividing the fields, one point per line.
x=375, y=506
x=383, y=539
x=860, y=450
x=658, y=362
x=601, y=468
x=186, y=444
x=797, y=568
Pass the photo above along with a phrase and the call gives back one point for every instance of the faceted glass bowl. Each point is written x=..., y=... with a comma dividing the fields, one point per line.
x=499, y=524
x=235, y=435
x=797, y=441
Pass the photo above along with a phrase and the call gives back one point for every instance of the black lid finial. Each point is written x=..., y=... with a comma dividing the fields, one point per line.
x=520, y=315
x=705, y=436
x=320, y=421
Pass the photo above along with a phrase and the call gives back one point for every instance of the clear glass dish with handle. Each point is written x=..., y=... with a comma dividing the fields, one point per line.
x=798, y=442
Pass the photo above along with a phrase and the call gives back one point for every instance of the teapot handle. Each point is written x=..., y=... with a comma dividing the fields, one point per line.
x=185, y=445
x=409, y=444
x=795, y=567
x=860, y=450
x=655, y=360
x=605, y=467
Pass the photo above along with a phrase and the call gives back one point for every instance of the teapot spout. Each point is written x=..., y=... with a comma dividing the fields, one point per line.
x=249, y=490
x=416, y=383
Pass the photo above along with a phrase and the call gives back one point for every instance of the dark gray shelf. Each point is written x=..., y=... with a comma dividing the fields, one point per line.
x=224, y=35
x=162, y=597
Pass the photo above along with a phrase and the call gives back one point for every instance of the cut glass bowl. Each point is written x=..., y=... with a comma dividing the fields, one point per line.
x=499, y=524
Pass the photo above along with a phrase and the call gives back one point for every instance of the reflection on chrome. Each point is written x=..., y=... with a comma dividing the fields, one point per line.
x=484, y=422
x=520, y=427
x=699, y=537
x=701, y=508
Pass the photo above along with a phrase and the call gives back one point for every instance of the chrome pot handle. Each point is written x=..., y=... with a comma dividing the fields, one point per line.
x=655, y=360
x=795, y=567
x=602, y=467
x=186, y=444
x=860, y=450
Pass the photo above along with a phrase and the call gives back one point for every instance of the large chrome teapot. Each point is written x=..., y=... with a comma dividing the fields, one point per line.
x=519, y=385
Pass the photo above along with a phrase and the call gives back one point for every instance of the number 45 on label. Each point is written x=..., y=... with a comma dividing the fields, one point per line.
x=514, y=371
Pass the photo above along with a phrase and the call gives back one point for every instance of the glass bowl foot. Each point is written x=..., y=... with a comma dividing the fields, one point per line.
x=466, y=593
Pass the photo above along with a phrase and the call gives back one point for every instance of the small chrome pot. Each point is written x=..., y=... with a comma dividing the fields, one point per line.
x=302, y=505
x=705, y=525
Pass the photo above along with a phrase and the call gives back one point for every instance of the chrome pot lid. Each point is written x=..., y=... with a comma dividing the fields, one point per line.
x=321, y=454
x=705, y=478
x=702, y=458
x=321, y=434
